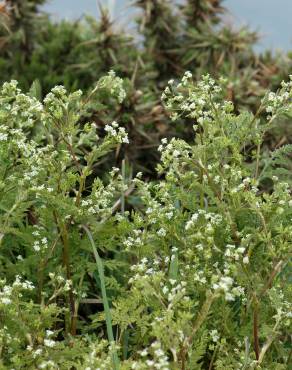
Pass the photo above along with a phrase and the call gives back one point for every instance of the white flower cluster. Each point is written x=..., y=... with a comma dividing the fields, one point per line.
x=117, y=87
x=134, y=240
x=23, y=109
x=57, y=101
x=282, y=306
x=47, y=365
x=7, y=291
x=235, y=253
x=148, y=269
x=153, y=212
x=214, y=335
x=199, y=277
x=225, y=284
x=174, y=292
x=57, y=91
x=194, y=101
x=41, y=242
x=36, y=164
x=212, y=219
x=246, y=184
x=116, y=132
x=48, y=341
x=3, y=136
x=161, y=232
x=280, y=101
x=154, y=357
x=173, y=154
x=10, y=88
x=100, y=201
x=59, y=279
x=114, y=84
x=143, y=270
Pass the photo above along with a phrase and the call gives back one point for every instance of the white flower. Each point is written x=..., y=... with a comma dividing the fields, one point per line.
x=214, y=335
x=36, y=246
x=161, y=232
x=245, y=260
x=165, y=290
x=5, y=300
x=49, y=343
x=3, y=136
x=144, y=352
x=37, y=352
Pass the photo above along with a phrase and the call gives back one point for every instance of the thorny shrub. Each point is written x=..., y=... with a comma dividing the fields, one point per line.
x=196, y=274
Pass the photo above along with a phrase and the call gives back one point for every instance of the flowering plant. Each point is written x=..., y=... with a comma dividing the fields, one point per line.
x=210, y=286
x=194, y=276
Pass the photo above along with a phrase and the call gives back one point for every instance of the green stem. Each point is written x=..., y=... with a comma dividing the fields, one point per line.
x=66, y=263
x=123, y=193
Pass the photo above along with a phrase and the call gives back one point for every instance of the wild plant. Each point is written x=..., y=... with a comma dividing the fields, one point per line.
x=210, y=288
x=194, y=275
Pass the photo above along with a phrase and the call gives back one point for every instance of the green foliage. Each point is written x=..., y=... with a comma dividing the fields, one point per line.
x=170, y=38
x=188, y=272
x=103, y=271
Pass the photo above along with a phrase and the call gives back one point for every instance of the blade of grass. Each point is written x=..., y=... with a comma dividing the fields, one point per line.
x=108, y=318
x=125, y=344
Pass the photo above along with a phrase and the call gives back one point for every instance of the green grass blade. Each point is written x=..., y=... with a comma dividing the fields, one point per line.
x=104, y=297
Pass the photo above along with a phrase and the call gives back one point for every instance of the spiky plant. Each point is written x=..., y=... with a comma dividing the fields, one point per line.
x=23, y=15
x=159, y=25
x=201, y=11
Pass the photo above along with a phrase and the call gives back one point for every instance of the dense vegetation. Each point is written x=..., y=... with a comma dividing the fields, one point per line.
x=185, y=265
x=170, y=39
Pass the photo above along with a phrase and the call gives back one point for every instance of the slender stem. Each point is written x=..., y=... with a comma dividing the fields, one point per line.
x=272, y=276
x=257, y=161
x=66, y=263
x=42, y=267
x=256, y=343
x=202, y=314
x=183, y=358
x=123, y=193
x=213, y=357
x=268, y=343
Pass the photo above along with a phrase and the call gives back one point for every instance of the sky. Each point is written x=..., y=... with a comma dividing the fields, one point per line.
x=271, y=18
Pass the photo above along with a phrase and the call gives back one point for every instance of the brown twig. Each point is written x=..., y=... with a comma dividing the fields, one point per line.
x=256, y=343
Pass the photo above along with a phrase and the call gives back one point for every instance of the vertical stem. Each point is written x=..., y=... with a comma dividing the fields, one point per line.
x=40, y=280
x=257, y=161
x=66, y=263
x=123, y=193
x=213, y=357
x=80, y=190
x=256, y=329
x=125, y=344
x=183, y=358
